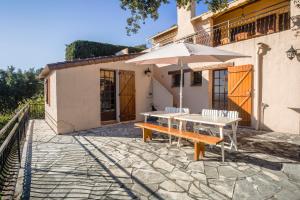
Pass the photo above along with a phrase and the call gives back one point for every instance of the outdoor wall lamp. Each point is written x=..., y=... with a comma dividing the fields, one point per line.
x=147, y=71
x=291, y=53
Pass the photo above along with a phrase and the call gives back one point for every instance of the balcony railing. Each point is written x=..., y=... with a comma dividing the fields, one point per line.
x=268, y=20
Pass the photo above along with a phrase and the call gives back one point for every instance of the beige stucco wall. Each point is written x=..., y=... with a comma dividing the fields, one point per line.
x=184, y=16
x=50, y=110
x=280, y=83
x=78, y=95
x=280, y=80
x=161, y=96
x=194, y=97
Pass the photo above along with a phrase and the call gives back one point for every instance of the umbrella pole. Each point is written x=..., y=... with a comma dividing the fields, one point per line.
x=181, y=84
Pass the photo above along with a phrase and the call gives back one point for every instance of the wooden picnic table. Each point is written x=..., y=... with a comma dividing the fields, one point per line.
x=220, y=122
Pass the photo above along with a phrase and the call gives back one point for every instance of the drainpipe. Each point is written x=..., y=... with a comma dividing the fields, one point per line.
x=257, y=86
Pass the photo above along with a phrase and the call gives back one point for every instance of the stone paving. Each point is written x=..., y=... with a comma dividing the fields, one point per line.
x=112, y=162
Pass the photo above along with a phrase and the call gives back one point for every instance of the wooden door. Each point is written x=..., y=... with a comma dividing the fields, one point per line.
x=127, y=95
x=108, y=95
x=240, y=92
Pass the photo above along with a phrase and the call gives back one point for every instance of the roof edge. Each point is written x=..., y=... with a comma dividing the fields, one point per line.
x=163, y=32
x=231, y=5
x=82, y=62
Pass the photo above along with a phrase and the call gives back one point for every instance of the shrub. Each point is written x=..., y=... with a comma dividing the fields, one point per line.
x=4, y=119
x=86, y=49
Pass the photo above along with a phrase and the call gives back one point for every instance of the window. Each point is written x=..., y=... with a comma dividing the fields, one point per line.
x=266, y=24
x=220, y=89
x=196, y=78
x=284, y=21
x=248, y=29
x=217, y=36
x=107, y=90
x=176, y=80
x=47, y=91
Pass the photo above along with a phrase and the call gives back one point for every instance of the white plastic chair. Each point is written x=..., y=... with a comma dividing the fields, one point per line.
x=216, y=113
x=162, y=121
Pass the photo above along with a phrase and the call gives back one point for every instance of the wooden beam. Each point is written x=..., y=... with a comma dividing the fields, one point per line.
x=213, y=67
x=178, y=71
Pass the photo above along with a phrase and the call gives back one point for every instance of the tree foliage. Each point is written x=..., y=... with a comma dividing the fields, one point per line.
x=86, y=49
x=16, y=86
x=142, y=9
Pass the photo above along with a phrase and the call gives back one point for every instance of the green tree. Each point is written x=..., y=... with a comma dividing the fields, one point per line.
x=16, y=86
x=142, y=9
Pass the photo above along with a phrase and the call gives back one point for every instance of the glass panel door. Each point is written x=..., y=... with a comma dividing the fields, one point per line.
x=220, y=89
x=108, y=95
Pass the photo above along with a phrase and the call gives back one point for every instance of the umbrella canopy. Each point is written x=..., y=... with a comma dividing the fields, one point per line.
x=177, y=53
x=183, y=53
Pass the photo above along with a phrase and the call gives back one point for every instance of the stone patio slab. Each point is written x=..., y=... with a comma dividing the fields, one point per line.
x=113, y=163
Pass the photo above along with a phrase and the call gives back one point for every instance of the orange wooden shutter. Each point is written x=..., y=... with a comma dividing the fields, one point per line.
x=240, y=91
x=127, y=95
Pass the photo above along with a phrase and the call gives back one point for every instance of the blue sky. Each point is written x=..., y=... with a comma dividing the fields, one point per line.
x=35, y=32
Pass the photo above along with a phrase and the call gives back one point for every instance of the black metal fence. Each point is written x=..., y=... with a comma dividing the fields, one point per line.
x=12, y=137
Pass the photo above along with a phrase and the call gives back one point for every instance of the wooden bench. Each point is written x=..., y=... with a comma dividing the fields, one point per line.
x=199, y=139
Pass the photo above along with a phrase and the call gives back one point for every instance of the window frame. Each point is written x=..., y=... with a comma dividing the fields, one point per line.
x=284, y=22
x=193, y=83
x=173, y=80
x=47, y=91
x=108, y=95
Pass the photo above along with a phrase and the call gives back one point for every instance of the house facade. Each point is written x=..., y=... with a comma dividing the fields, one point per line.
x=264, y=88
x=85, y=94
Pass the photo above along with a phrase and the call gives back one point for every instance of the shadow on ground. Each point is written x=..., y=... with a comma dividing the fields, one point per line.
x=114, y=163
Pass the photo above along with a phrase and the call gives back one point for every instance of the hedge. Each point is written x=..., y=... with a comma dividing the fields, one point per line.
x=4, y=119
x=86, y=49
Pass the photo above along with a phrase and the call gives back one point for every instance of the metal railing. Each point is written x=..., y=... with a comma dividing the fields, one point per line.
x=268, y=20
x=12, y=137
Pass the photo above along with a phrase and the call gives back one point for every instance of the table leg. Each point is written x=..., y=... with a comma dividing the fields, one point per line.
x=180, y=128
x=169, y=126
x=221, y=132
x=146, y=118
x=222, y=149
x=234, y=140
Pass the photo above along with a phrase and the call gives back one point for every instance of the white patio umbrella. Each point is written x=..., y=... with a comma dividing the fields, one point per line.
x=181, y=53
